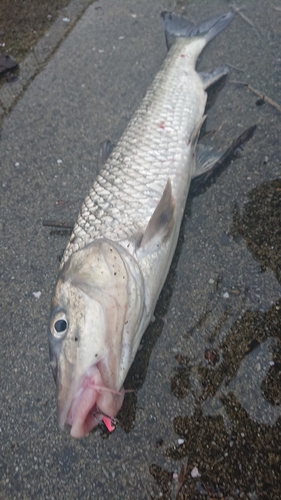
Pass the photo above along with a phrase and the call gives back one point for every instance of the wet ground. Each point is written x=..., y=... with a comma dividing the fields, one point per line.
x=205, y=418
x=22, y=23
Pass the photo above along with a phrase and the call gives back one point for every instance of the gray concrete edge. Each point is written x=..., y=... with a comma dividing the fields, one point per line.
x=40, y=53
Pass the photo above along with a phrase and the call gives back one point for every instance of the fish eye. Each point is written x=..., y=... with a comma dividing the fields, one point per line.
x=59, y=326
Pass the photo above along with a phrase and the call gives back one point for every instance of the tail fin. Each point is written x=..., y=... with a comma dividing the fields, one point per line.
x=178, y=26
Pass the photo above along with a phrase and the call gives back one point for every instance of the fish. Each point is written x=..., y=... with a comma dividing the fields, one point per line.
x=122, y=245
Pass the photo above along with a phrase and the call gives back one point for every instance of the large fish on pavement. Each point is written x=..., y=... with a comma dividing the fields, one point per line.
x=123, y=242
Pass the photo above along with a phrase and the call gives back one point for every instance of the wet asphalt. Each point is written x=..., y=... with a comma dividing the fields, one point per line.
x=204, y=420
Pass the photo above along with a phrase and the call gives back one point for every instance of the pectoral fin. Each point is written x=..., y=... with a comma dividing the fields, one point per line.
x=160, y=225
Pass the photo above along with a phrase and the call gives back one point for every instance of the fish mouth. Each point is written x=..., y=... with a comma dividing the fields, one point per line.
x=92, y=402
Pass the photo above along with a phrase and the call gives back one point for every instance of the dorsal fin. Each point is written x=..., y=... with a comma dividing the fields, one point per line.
x=106, y=148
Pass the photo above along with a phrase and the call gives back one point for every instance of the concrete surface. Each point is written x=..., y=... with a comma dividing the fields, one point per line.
x=205, y=419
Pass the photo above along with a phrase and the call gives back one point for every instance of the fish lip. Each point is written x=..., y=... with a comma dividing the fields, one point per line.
x=79, y=412
x=63, y=410
x=66, y=420
x=82, y=421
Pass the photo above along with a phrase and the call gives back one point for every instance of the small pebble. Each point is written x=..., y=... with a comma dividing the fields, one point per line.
x=66, y=20
x=211, y=356
x=211, y=281
x=195, y=472
x=37, y=295
x=180, y=441
x=226, y=295
x=179, y=358
x=59, y=161
x=105, y=472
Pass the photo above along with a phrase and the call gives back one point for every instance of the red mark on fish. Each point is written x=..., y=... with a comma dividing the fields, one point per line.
x=161, y=125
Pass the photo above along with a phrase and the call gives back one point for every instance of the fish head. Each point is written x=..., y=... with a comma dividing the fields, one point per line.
x=96, y=311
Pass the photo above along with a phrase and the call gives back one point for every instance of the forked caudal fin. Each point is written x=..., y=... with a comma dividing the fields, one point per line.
x=177, y=26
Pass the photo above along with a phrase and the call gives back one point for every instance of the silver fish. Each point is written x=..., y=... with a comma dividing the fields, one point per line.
x=122, y=245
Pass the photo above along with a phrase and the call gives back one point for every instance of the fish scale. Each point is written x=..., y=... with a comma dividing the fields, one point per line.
x=130, y=184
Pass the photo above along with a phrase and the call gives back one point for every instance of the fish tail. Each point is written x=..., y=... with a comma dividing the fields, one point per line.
x=178, y=26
